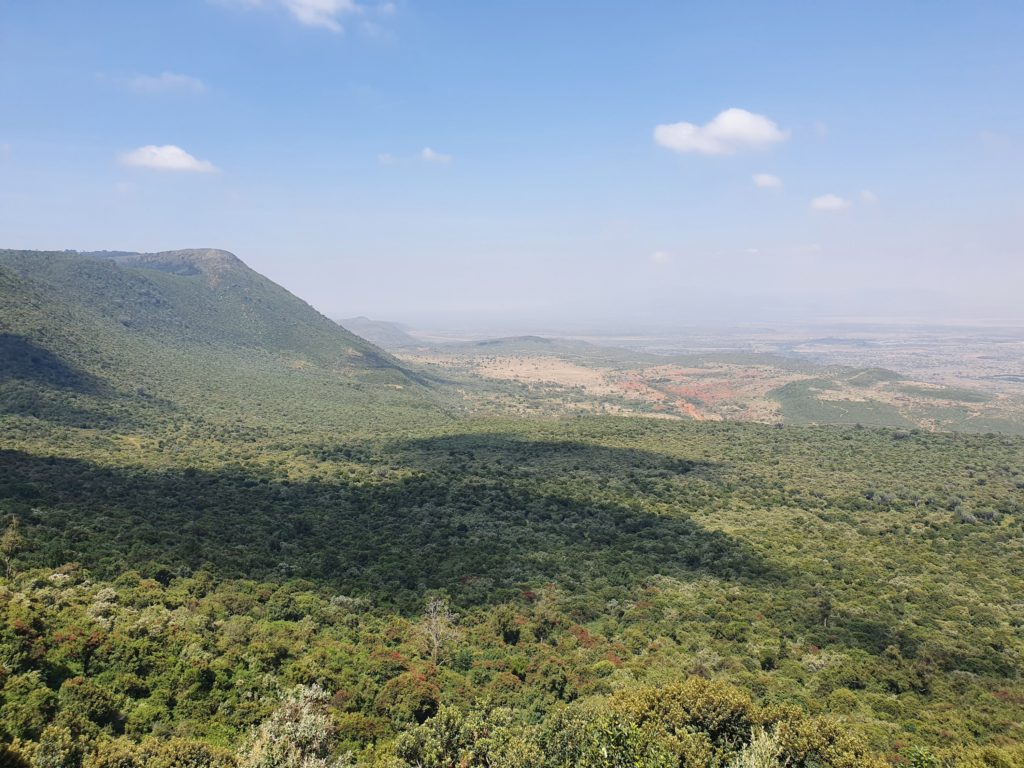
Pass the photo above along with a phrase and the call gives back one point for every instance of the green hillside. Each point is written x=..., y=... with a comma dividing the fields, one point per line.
x=96, y=338
x=233, y=528
x=190, y=297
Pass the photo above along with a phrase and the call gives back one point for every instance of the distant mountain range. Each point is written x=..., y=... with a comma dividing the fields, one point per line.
x=380, y=332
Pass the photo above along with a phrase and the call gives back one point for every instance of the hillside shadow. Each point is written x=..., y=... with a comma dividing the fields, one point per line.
x=24, y=360
x=494, y=450
x=38, y=383
x=472, y=531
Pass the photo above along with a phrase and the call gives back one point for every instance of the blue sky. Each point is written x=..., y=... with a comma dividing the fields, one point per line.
x=455, y=162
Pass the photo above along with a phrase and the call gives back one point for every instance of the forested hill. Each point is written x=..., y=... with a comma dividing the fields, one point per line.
x=202, y=296
x=194, y=330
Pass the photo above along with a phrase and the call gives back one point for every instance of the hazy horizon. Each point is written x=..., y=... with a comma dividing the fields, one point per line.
x=653, y=167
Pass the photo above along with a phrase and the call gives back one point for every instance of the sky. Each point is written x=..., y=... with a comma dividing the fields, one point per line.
x=599, y=164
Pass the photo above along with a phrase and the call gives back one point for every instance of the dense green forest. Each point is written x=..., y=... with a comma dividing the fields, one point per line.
x=235, y=534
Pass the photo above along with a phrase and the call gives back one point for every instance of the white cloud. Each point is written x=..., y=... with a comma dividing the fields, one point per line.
x=166, y=158
x=386, y=158
x=869, y=197
x=326, y=14
x=766, y=180
x=731, y=131
x=321, y=13
x=430, y=156
x=166, y=81
x=830, y=202
x=661, y=257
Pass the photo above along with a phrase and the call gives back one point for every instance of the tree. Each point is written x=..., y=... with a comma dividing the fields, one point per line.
x=57, y=748
x=11, y=543
x=763, y=751
x=298, y=734
x=438, y=628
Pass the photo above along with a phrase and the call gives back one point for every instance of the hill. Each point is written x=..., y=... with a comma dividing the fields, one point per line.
x=203, y=296
x=380, y=332
x=191, y=331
